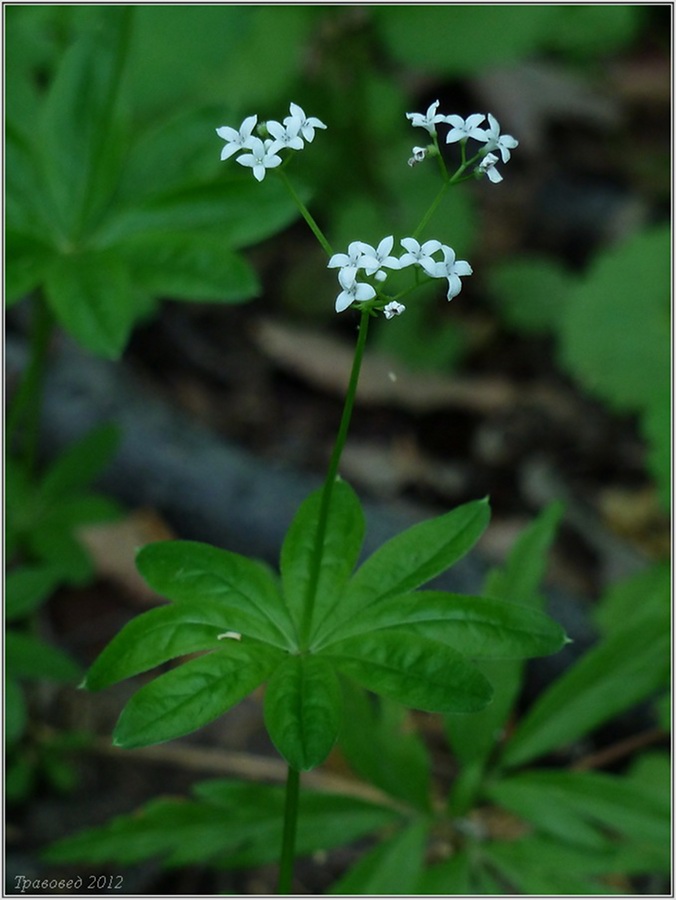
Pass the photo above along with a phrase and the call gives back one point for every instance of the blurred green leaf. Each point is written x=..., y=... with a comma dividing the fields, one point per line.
x=450, y=877
x=28, y=657
x=656, y=426
x=391, y=868
x=80, y=463
x=16, y=713
x=381, y=745
x=644, y=595
x=615, y=332
x=625, y=667
x=530, y=294
x=26, y=589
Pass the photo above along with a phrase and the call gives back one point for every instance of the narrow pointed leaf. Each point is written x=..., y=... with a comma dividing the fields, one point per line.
x=192, y=571
x=475, y=626
x=339, y=552
x=623, y=669
x=194, y=694
x=79, y=465
x=413, y=670
x=303, y=710
x=414, y=557
x=169, y=632
x=393, y=867
x=28, y=657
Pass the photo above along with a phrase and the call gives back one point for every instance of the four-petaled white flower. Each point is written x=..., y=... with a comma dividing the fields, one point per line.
x=393, y=309
x=487, y=167
x=450, y=268
x=379, y=257
x=236, y=139
x=415, y=253
x=355, y=251
x=261, y=158
x=495, y=141
x=353, y=291
x=461, y=129
x=285, y=135
x=427, y=120
x=306, y=124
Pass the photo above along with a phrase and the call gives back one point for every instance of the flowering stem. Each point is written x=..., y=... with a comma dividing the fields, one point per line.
x=305, y=212
x=433, y=208
x=331, y=474
x=285, y=882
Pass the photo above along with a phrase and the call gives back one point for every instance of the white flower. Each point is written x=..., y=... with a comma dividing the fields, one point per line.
x=415, y=253
x=375, y=258
x=261, y=158
x=285, y=135
x=461, y=129
x=428, y=120
x=450, y=268
x=504, y=143
x=353, y=290
x=393, y=309
x=306, y=125
x=487, y=167
x=236, y=140
x=353, y=257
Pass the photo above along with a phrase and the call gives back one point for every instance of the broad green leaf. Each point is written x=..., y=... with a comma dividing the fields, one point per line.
x=393, y=867
x=194, y=694
x=381, y=745
x=413, y=558
x=615, y=331
x=656, y=427
x=189, y=571
x=303, y=710
x=80, y=131
x=26, y=589
x=231, y=824
x=168, y=632
x=189, y=267
x=25, y=262
x=621, y=670
x=236, y=209
x=81, y=463
x=518, y=581
x=477, y=627
x=412, y=670
x=28, y=657
x=339, y=550
x=91, y=295
x=602, y=803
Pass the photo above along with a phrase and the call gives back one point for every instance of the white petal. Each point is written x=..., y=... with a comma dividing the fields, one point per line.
x=259, y=172
x=347, y=276
x=343, y=300
x=338, y=259
x=410, y=244
x=462, y=267
x=364, y=292
x=227, y=133
x=248, y=125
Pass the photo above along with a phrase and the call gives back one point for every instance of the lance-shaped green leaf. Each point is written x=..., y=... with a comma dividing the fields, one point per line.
x=338, y=552
x=392, y=867
x=168, y=632
x=28, y=657
x=192, y=571
x=413, y=558
x=303, y=709
x=623, y=669
x=80, y=464
x=194, y=694
x=475, y=626
x=412, y=669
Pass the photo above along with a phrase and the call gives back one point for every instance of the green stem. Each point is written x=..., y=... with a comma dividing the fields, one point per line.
x=305, y=212
x=433, y=208
x=331, y=474
x=285, y=883
x=26, y=406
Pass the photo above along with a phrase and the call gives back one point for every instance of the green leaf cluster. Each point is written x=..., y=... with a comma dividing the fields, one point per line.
x=105, y=217
x=316, y=624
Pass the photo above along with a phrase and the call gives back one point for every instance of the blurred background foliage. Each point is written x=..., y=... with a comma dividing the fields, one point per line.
x=116, y=201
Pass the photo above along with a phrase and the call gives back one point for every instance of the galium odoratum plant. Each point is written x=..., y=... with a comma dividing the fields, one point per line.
x=319, y=621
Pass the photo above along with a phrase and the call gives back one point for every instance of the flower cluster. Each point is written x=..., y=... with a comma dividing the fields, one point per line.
x=462, y=129
x=372, y=261
x=263, y=151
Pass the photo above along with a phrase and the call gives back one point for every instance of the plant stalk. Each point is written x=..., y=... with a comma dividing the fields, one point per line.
x=285, y=883
x=305, y=212
x=331, y=474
